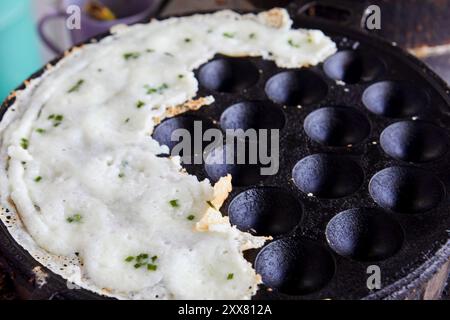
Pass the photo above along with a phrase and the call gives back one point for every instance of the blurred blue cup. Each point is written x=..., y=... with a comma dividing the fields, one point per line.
x=19, y=45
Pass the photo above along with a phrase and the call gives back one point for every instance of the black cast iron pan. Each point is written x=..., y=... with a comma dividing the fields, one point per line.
x=324, y=244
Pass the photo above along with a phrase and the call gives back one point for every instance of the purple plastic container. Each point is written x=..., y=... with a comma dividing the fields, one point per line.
x=128, y=12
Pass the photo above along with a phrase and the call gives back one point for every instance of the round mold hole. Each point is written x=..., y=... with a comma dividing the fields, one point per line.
x=394, y=99
x=252, y=115
x=406, y=189
x=163, y=132
x=295, y=266
x=300, y=87
x=337, y=126
x=228, y=75
x=352, y=66
x=414, y=141
x=224, y=160
x=328, y=176
x=364, y=234
x=269, y=211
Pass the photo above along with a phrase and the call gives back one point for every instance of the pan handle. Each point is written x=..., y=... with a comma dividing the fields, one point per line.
x=347, y=13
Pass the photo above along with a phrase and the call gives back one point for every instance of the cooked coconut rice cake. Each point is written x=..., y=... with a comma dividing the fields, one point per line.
x=80, y=173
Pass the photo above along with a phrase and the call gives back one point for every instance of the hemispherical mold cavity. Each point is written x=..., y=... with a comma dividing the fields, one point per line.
x=243, y=166
x=185, y=129
x=295, y=266
x=228, y=75
x=337, y=126
x=353, y=66
x=299, y=87
x=328, y=176
x=268, y=211
x=406, y=189
x=395, y=99
x=364, y=234
x=414, y=141
x=252, y=115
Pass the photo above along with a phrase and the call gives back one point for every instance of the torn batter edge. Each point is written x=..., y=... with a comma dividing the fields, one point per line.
x=214, y=221
x=191, y=105
x=277, y=18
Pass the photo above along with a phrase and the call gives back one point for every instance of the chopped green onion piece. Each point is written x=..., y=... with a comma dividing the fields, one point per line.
x=140, y=104
x=121, y=175
x=142, y=260
x=229, y=35
x=152, y=267
x=76, y=87
x=230, y=276
x=191, y=217
x=75, y=218
x=24, y=143
x=160, y=89
x=40, y=130
x=131, y=55
x=57, y=119
x=293, y=44
x=142, y=256
x=174, y=203
x=37, y=179
x=187, y=40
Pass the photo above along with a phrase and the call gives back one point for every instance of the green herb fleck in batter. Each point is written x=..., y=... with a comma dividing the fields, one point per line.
x=152, y=267
x=142, y=260
x=131, y=55
x=174, y=203
x=75, y=218
x=160, y=89
x=56, y=118
x=229, y=35
x=140, y=104
x=24, y=143
x=293, y=44
x=76, y=87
